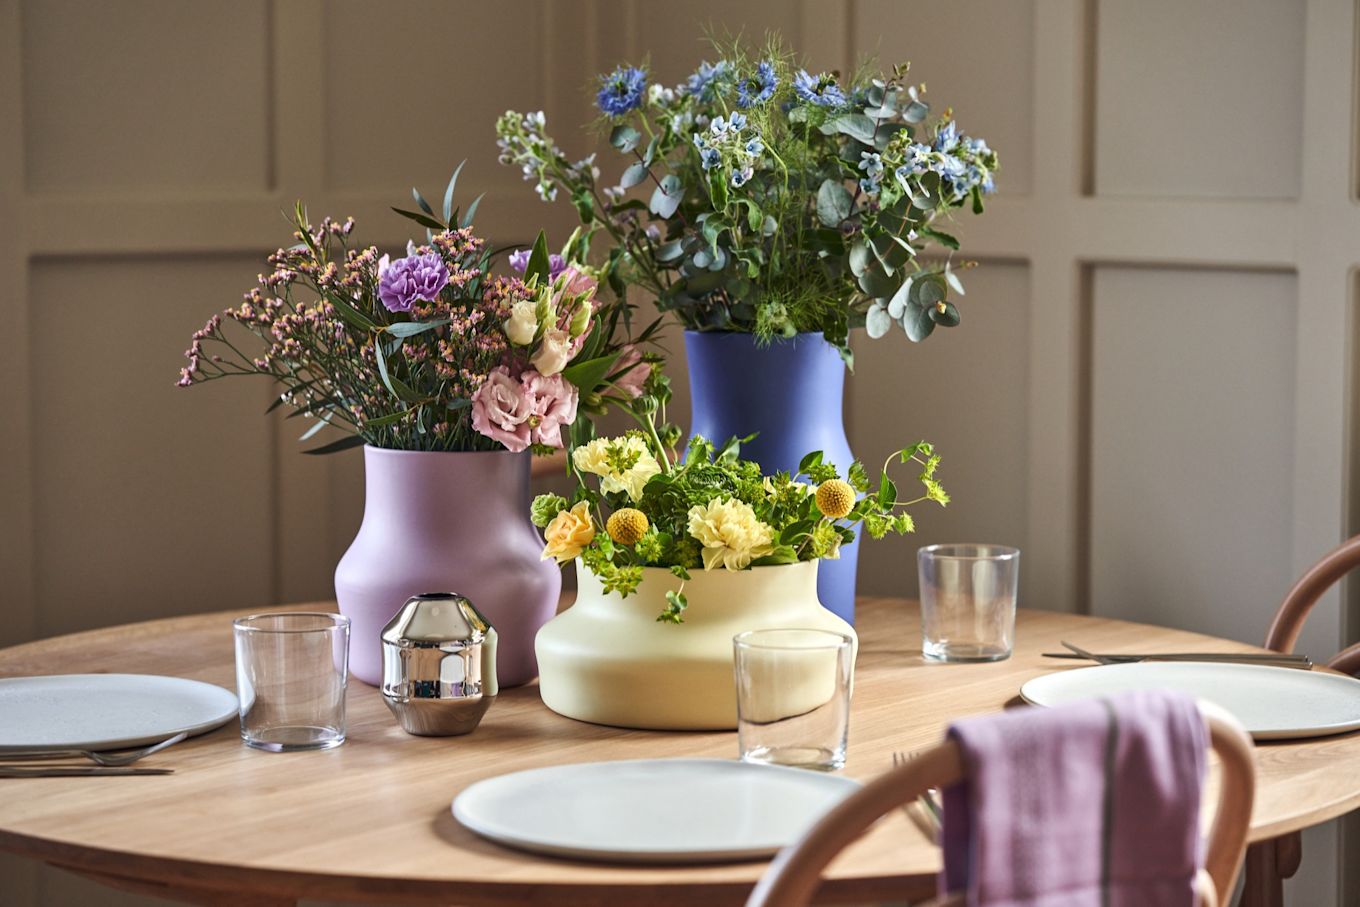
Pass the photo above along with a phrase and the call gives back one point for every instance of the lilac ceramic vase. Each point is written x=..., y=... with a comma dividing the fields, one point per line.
x=447, y=522
x=788, y=393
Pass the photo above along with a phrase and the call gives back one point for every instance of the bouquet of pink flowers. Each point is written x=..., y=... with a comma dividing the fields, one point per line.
x=431, y=351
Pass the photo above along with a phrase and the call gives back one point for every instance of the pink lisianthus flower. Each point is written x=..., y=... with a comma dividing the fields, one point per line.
x=630, y=372
x=575, y=282
x=502, y=410
x=554, y=405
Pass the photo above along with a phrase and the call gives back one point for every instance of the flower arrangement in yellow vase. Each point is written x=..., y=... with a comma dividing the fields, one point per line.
x=639, y=504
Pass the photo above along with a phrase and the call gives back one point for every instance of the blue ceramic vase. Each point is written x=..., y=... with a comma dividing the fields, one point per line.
x=789, y=393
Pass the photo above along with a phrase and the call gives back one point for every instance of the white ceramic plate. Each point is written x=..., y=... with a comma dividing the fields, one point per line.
x=1272, y=703
x=651, y=810
x=106, y=711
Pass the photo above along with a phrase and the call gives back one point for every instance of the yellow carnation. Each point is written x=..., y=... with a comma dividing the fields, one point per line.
x=730, y=533
x=835, y=498
x=602, y=457
x=627, y=525
x=569, y=533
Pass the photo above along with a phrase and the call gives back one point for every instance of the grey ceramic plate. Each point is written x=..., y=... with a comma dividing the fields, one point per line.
x=651, y=810
x=1272, y=703
x=106, y=711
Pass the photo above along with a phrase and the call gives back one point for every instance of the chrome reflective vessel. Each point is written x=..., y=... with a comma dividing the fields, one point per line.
x=439, y=665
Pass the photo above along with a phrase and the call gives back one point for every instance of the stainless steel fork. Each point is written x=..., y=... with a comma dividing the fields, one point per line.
x=927, y=802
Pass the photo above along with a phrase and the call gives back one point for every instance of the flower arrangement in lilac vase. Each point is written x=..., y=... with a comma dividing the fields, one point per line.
x=430, y=351
x=761, y=196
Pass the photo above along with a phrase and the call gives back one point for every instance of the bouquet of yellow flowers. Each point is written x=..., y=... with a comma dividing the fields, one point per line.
x=646, y=506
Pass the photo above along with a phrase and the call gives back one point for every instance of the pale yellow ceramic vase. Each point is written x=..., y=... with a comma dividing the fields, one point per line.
x=607, y=660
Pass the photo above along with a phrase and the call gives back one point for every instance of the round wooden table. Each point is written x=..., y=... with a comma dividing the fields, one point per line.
x=370, y=820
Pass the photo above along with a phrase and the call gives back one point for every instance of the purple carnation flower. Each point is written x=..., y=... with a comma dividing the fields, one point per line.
x=416, y=277
x=519, y=260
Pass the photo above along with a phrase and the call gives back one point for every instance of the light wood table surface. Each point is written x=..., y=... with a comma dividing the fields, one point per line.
x=370, y=820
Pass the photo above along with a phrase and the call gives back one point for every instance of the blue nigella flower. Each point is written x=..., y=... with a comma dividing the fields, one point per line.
x=988, y=185
x=718, y=127
x=977, y=146
x=821, y=90
x=868, y=186
x=754, y=147
x=871, y=163
x=621, y=90
x=946, y=136
x=759, y=88
x=710, y=158
x=699, y=141
x=703, y=82
x=739, y=177
x=920, y=157
x=736, y=122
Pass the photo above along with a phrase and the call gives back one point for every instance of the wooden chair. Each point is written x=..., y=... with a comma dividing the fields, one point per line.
x=1269, y=863
x=795, y=874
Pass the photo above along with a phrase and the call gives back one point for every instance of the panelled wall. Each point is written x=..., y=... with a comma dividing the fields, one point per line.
x=1150, y=393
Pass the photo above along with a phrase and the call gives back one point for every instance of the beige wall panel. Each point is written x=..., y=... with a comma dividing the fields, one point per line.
x=146, y=95
x=964, y=389
x=414, y=87
x=152, y=500
x=1192, y=447
x=975, y=56
x=1199, y=99
x=672, y=35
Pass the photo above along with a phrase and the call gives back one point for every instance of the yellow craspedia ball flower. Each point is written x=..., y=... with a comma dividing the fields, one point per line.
x=835, y=498
x=626, y=525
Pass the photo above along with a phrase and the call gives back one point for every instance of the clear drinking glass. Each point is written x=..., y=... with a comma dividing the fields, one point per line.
x=291, y=670
x=793, y=697
x=968, y=601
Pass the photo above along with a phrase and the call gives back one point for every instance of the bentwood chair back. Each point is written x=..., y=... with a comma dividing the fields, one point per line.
x=1269, y=863
x=795, y=874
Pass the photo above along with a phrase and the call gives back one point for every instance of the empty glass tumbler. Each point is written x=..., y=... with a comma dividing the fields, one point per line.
x=968, y=601
x=291, y=670
x=793, y=697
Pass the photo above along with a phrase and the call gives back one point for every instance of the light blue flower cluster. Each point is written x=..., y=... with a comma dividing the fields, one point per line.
x=820, y=89
x=960, y=161
x=724, y=142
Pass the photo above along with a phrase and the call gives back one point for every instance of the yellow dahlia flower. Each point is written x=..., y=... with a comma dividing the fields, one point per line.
x=626, y=525
x=835, y=498
x=623, y=464
x=731, y=534
x=568, y=534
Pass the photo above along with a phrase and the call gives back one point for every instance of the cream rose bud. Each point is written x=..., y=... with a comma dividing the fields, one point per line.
x=569, y=533
x=522, y=324
x=554, y=352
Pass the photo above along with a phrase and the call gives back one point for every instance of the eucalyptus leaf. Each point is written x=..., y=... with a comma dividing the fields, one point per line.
x=624, y=138
x=875, y=282
x=917, y=323
x=945, y=314
x=635, y=174
x=667, y=197
x=833, y=203
x=916, y=112
x=859, y=258
x=670, y=251
x=877, y=321
x=316, y=427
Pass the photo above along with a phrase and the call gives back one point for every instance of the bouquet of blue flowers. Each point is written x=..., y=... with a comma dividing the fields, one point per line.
x=761, y=197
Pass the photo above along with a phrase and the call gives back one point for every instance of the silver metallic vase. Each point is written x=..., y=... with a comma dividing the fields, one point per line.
x=439, y=665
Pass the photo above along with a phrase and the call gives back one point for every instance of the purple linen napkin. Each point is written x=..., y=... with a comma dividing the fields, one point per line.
x=1095, y=803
